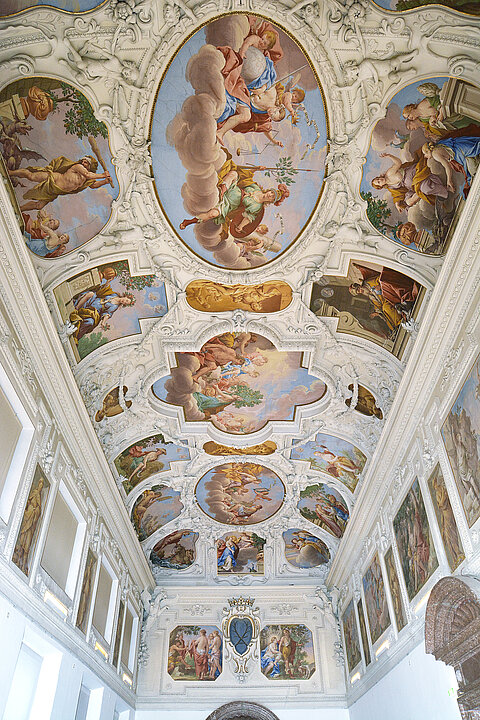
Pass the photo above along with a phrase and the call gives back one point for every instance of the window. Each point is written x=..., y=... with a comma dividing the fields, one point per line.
x=24, y=685
x=82, y=704
x=58, y=549
x=102, y=611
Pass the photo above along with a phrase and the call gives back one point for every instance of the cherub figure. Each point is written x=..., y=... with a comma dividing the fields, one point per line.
x=94, y=62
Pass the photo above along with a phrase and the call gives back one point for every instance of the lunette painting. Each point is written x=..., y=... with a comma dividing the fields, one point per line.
x=239, y=132
x=304, y=550
x=286, y=652
x=57, y=158
x=105, y=303
x=372, y=302
x=240, y=493
x=334, y=456
x=240, y=553
x=195, y=652
x=446, y=519
x=470, y=7
x=239, y=381
x=423, y=156
x=350, y=633
x=461, y=435
x=375, y=600
x=175, y=551
x=414, y=541
x=324, y=506
x=154, y=508
x=146, y=457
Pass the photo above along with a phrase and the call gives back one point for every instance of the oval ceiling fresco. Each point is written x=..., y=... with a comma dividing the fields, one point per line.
x=421, y=163
x=240, y=493
x=239, y=133
x=239, y=381
x=324, y=506
x=334, y=456
x=304, y=550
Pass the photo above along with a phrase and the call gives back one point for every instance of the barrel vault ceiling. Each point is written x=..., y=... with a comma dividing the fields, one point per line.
x=237, y=212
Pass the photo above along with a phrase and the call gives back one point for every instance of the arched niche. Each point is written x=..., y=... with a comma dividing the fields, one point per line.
x=452, y=634
x=242, y=710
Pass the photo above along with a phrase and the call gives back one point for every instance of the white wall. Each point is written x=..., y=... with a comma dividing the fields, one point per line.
x=303, y=713
x=418, y=688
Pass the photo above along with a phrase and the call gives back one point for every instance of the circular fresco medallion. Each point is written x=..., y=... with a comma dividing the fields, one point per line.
x=239, y=134
x=240, y=493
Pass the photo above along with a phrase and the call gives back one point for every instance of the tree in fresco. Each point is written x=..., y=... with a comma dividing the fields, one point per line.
x=79, y=117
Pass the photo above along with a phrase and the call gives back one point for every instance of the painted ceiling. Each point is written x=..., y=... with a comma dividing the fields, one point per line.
x=237, y=221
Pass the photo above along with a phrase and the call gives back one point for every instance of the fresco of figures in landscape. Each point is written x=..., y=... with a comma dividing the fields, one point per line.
x=445, y=519
x=8, y=7
x=414, y=541
x=395, y=590
x=325, y=507
x=266, y=448
x=57, y=157
x=111, y=404
x=421, y=163
x=146, y=457
x=240, y=553
x=240, y=493
x=208, y=296
x=461, y=434
x=286, y=652
x=239, y=382
x=471, y=7
x=154, y=508
x=27, y=537
x=176, y=551
x=86, y=593
x=363, y=632
x=366, y=403
x=372, y=302
x=105, y=303
x=350, y=634
x=304, y=550
x=375, y=600
x=333, y=456
x=195, y=652
x=250, y=101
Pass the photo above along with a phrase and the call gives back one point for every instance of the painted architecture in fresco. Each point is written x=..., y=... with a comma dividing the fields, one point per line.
x=350, y=634
x=57, y=158
x=86, y=593
x=461, y=434
x=286, y=652
x=422, y=159
x=209, y=296
x=175, y=551
x=195, y=652
x=304, y=550
x=250, y=100
x=107, y=302
x=266, y=448
x=111, y=404
x=9, y=7
x=395, y=591
x=366, y=403
x=471, y=7
x=240, y=493
x=363, y=633
x=375, y=600
x=414, y=541
x=239, y=381
x=446, y=519
x=145, y=458
x=240, y=553
x=372, y=302
x=27, y=537
x=154, y=508
x=324, y=506
x=334, y=456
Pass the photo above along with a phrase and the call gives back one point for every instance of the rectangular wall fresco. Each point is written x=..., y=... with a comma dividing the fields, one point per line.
x=445, y=519
x=363, y=633
x=414, y=541
x=461, y=434
x=350, y=634
x=375, y=600
x=32, y=519
x=395, y=591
